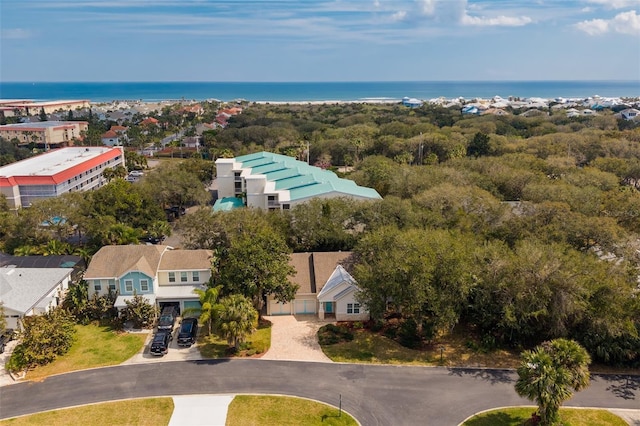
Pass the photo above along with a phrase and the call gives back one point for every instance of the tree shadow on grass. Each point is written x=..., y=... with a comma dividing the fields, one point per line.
x=492, y=376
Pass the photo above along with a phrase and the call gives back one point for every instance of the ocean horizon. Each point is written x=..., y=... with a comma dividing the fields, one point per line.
x=97, y=92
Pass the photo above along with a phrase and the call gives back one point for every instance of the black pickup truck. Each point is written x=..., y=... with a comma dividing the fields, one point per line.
x=5, y=338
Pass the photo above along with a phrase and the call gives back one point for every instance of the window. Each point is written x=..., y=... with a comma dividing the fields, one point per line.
x=144, y=285
x=196, y=276
x=353, y=308
x=172, y=277
x=128, y=286
x=112, y=286
x=286, y=207
x=97, y=286
x=183, y=277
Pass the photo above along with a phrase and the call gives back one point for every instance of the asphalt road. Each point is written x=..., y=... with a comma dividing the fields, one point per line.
x=375, y=395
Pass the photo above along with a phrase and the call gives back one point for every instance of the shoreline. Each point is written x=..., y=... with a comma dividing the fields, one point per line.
x=315, y=92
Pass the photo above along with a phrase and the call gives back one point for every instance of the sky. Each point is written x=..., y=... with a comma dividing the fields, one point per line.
x=316, y=40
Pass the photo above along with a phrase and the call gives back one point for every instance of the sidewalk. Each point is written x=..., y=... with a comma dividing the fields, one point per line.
x=205, y=410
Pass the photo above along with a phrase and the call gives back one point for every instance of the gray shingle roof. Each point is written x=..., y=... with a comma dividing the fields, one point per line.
x=23, y=288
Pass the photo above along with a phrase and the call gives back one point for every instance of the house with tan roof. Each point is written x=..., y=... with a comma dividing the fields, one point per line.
x=325, y=288
x=163, y=276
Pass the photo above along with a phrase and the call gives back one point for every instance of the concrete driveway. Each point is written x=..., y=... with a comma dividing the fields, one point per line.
x=176, y=353
x=294, y=338
x=5, y=378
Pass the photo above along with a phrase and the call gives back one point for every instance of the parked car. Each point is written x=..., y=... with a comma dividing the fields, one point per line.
x=174, y=212
x=136, y=173
x=5, y=338
x=167, y=318
x=153, y=240
x=160, y=343
x=188, y=332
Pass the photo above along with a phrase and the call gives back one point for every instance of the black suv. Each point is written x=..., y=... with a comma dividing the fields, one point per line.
x=5, y=338
x=188, y=332
x=160, y=343
x=167, y=319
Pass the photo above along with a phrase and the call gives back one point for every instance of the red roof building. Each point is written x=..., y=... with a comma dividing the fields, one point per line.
x=149, y=121
x=57, y=172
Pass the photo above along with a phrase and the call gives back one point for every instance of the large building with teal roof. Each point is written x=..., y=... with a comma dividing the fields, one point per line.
x=273, y=181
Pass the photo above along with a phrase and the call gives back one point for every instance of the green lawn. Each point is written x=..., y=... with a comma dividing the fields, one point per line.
x=153, y=411
x=369, y=347
x=215, y=347
x=243, y=410
x=570, y=417
x=252, y=410
x=94, y=346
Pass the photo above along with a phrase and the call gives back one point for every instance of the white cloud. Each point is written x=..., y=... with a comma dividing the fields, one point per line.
x=616, y=4
x=501, y=21
x=627, y=23
x=593, y=27
x=399, y=16
x=623, y=23
x=16, y=34
x=427, y=7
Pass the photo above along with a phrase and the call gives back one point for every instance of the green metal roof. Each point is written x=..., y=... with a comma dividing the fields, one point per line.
x=300, y=179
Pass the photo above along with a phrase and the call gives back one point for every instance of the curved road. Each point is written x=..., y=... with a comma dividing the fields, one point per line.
x=374, y=394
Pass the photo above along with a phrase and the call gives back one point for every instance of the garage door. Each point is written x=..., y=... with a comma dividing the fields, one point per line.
x=305, y=306
x=277, y=308
x=191, y=304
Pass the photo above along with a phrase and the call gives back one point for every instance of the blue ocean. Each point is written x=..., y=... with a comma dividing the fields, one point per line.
x=313, y=91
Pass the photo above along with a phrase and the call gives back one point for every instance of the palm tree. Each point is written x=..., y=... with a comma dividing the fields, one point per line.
x=25, y=250
x=236, y=319
x=55, y=248
x=551, y=373
x=76, y=298
x=208, y=305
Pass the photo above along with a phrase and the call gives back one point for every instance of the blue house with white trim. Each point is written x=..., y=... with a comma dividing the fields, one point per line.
x=163, y=276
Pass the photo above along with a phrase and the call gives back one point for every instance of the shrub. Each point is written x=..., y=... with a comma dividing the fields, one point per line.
x=139, y=311
x=331, y=334
x=44, y=337
x=390, y=332
x=376, y=325
x=408, y=334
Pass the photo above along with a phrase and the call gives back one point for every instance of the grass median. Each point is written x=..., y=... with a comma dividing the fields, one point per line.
x=255, y=410
x=151, y=411
x=518, y=416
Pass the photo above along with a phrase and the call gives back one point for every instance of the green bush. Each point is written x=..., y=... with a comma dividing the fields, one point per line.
x=331, y=334
x=408, y=334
